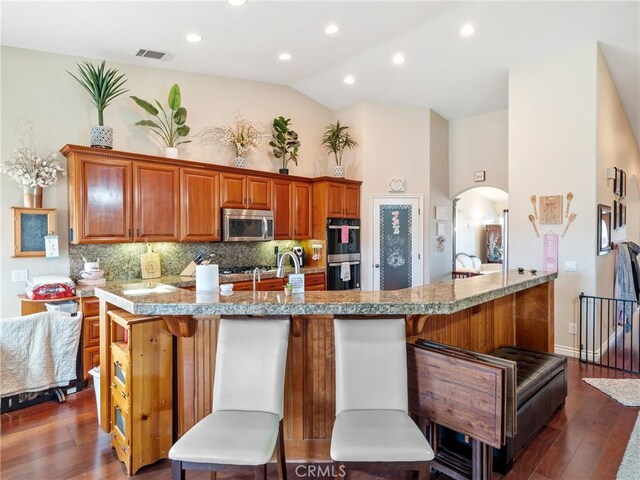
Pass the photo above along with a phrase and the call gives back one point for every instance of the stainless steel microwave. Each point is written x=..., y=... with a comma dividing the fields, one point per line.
x=247, y=225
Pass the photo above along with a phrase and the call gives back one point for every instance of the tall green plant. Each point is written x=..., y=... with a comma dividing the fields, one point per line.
x=284, y=141
x=103, y=85
x=336, y=139
x=170, y=127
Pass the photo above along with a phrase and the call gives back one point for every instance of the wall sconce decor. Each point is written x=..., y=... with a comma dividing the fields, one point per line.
x=604, y=229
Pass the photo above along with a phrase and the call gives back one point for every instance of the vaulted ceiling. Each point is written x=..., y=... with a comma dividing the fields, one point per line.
x=456, y=76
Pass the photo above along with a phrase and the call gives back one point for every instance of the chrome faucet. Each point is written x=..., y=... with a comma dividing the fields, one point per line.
x=296, y=264
x=256, y=270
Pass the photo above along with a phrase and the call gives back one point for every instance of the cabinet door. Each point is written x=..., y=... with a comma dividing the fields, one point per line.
x=301, y=211
x=352, y=201
x=258, y=193
x=233, y=190
x=199, y=210
x=282, y=211
x=270, y=285
x=242, y=286
x=156, y=202
x=335, y=200
x=104, y=201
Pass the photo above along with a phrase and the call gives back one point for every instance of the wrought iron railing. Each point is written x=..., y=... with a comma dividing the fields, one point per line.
x=609, y=333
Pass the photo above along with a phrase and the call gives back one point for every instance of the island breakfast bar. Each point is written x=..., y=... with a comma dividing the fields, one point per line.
x=481, y=314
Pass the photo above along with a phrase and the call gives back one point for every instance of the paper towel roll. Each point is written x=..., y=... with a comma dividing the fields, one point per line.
x=207, y=278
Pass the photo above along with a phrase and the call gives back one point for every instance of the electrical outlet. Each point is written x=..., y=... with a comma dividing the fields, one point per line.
x=570, y=266
x=572, y=328
x=19, y=275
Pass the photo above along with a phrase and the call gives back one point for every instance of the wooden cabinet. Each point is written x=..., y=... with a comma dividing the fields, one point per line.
x=199, y=205
x=245, y=191
x=266, y=285
x=156, y=202
x=314, y=281
x=99, y=199
x=334, y=198
x=141, y=389
x=301, y=210
x=282, y=195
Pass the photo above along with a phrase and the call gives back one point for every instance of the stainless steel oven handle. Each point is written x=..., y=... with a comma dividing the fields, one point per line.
x=265, y=227
x=339, y=227
x=340, y=264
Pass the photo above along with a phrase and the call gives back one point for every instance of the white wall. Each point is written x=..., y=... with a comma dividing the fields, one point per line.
x=478, y=143
x=616, y=147
x=394, y=143
x=552, y=150
x=439, y=262
x=473, y=212
x=36, y=85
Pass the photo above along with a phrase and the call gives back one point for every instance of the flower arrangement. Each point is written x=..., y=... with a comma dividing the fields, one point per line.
x=243, y=136
x=27, y=167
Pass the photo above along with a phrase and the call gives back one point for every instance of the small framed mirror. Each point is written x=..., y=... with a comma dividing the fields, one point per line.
x=30, y=226
x=604, y=229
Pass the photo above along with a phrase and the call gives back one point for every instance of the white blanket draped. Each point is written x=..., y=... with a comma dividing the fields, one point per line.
x=38, y=351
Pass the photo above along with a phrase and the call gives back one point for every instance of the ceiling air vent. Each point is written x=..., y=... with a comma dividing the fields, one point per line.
x=153, y=54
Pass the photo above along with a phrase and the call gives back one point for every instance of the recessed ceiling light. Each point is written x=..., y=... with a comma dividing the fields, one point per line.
x=349, y=80
x=284, y=57
x=236, y=3
x=398, y=59
x=193, y=37
x=331, y=29
x=467, y=30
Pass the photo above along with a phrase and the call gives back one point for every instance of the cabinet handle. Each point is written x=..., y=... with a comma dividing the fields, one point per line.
x=217, y=232
x=129, y=232
x=137, y=232
x=250, y=201
x=244, y=201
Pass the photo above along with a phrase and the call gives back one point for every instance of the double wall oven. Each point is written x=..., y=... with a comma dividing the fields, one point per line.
x=343, y=248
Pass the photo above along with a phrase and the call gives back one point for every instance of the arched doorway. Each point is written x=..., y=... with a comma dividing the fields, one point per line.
x=478, y=220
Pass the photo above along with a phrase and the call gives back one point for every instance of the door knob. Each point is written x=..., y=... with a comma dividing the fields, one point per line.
x=377, y=265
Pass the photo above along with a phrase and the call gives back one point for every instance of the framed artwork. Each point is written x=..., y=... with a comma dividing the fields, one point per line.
x=624, y=215
x=604, y=229
x=623, y=183
x=615, y=214
x=621, y=215
x=617, y=182
x=479, y=176
x=30, y=227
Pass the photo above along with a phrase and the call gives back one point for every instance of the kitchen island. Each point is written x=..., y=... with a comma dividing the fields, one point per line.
x=479, y=313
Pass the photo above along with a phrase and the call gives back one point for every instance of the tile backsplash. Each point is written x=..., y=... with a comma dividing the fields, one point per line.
x=121, y=261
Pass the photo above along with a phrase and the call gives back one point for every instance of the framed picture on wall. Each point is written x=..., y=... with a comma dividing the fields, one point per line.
x=621, y=215
x=30, y=227
x=624, y=215
x=623, y=183
x=617, y=181
x=615, y=214
x=604, y=229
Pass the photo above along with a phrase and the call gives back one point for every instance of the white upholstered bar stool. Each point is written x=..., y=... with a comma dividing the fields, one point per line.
x=372, y=429
x=246, y=423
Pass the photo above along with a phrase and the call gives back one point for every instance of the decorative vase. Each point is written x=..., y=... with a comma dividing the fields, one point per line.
x=32, y=196
x=338, y=171
x=284, y=171
x=171, y=152
x=101, y=137
x=240, y=162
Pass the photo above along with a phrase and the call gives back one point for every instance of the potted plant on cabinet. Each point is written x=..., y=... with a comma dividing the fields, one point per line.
x=243, y=136
x=285, y=143
x=288, y=289
x=103, y=85
x=170, y=127
x=335, y=140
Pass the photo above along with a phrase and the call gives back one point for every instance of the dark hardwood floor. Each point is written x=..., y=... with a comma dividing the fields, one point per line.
x=585, y=440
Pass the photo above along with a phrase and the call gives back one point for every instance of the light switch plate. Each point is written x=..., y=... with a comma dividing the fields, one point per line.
x=19, y=275
x=570, y=266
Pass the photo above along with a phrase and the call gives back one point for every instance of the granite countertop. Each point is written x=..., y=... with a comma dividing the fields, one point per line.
x=156, y=298
x=185, y=282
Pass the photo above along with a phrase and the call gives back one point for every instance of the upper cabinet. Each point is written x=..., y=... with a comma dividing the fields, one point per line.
x=245, y=191
x=119, y=197
x=334, y=198
x=200, y=205
x=156, y=202
x=99, y=198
